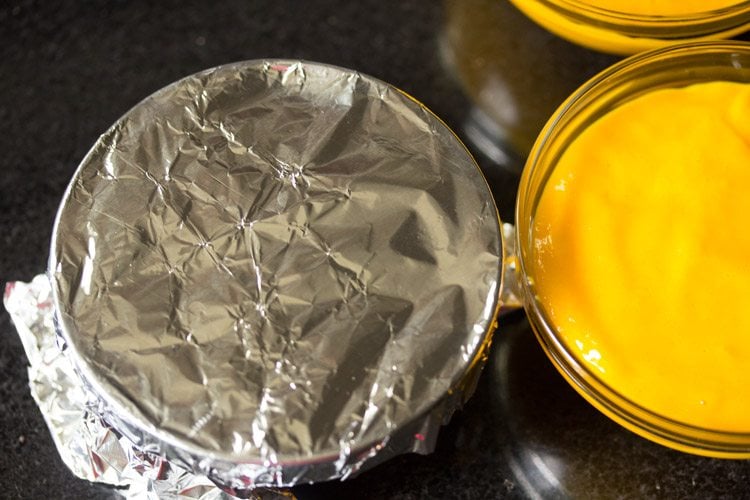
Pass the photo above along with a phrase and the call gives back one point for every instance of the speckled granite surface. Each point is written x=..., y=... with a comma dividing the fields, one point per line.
x=68, y=71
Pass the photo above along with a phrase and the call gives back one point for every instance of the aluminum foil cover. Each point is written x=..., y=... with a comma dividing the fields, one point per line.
x=275, y=272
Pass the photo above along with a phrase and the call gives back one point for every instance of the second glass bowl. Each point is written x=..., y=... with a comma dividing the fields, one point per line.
x=631, y=31
x=667, y=68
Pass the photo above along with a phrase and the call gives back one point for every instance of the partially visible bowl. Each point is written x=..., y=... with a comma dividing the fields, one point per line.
x=636, y=29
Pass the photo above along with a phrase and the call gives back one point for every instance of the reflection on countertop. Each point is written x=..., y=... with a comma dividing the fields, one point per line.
x=559, y=446
x=514, y=72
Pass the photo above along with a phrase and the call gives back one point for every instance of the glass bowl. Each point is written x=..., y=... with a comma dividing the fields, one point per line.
x=672, y=67
x=631, y=31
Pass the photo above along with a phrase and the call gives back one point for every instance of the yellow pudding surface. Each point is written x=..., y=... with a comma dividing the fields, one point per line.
x=641, y=254
x=661, y=7
x=625, y=21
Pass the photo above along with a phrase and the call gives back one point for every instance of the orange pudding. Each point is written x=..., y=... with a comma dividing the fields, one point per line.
x=641, y=252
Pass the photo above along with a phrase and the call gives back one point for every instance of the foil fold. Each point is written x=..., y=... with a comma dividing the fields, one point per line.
x=90, y=448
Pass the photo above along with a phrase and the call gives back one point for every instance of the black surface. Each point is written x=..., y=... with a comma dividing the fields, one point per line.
x=68, y=72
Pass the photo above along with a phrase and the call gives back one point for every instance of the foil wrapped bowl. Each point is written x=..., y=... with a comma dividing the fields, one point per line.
x=275, y=272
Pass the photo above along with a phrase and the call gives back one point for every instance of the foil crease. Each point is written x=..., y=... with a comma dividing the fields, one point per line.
x=276, y=272
x=89, y=448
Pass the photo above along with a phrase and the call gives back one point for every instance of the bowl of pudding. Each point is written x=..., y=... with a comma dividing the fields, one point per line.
x=634, y=250
x=627, y=27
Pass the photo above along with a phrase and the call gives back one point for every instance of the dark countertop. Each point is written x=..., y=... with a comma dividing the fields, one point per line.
x=68, y=72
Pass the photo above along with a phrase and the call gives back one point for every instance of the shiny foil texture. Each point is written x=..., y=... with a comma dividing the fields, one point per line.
x=276, y=272
x=87, y=445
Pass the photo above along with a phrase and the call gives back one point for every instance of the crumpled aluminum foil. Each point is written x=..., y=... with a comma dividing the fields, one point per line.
x=276, y=272
x=90, y=448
